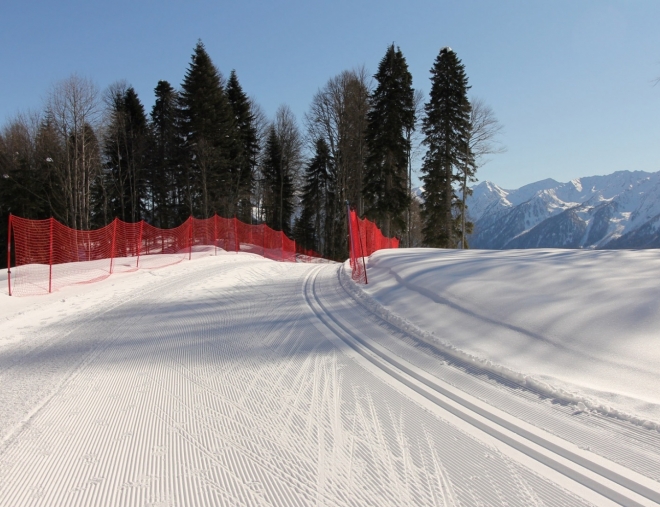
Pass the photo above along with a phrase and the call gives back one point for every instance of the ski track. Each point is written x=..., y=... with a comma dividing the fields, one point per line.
x=219, y=386
x=632, y=446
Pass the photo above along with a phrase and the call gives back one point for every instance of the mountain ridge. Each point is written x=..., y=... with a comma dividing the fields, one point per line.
x=619, y=210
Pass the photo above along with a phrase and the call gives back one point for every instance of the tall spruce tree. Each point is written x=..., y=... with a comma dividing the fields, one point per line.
x=126, y=150
x=168, y=207
x=446, y=128
x=278, y=187
x=392, y=114
x=309, y=227
x=208, y=136
x=246, y=149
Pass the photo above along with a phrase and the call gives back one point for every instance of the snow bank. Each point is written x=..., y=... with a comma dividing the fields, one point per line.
x=580, y=326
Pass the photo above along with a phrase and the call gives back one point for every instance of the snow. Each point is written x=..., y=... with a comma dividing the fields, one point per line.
x=583, y=325
x=235, y=380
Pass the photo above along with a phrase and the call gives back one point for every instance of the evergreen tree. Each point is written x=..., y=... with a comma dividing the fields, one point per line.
x=208, y=137
x=310, y=224
x=126, y=149
x=246, y=149
x=446, y=127
x=392, y=114
x=278, y=187
x=168, y=206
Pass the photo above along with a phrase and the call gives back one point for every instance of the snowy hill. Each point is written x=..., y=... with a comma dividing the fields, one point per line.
x=620, y=210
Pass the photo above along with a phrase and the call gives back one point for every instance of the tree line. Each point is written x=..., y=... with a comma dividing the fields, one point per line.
x=208, y=148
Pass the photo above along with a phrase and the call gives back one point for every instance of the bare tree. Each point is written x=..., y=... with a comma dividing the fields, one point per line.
x=338, y=115
x=291, y=142
x=291, y=145
x=414, y=137
x=483, y=140
x=73, y=108
x=261, y=124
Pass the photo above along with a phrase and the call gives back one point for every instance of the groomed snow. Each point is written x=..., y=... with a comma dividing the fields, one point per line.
x=583, y=326
x=235, y=380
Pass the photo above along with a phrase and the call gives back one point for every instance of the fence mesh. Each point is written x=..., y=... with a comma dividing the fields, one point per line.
x=364, y=239
x=49, y=255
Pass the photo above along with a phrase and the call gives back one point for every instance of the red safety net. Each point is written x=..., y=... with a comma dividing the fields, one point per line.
x=364, y=239
x=49, y=255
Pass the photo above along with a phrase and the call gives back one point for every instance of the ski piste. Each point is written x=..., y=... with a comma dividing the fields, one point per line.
x=236, y=380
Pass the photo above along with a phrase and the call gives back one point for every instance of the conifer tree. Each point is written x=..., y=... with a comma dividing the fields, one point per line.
x=208, y=136
x=165, y=180
x=126, y=152
x=246, y=149
x=391, y=115
x=277, y=186
x=310, y=224
x=446, y=128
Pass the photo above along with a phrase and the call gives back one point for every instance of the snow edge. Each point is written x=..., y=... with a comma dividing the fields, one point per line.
x=579, y=400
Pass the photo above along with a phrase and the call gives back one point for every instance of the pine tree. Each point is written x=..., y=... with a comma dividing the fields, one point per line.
x=208, y=136
x=126, y=149
x=246, y=149
x=446, y=128
x=278, y=187
x=391, y=115
x=168, y=207
x=309, y=227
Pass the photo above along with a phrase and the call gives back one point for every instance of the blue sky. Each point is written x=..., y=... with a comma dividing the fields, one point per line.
x=570, y=80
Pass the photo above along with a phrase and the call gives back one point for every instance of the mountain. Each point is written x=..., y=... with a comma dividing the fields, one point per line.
x=620, y=210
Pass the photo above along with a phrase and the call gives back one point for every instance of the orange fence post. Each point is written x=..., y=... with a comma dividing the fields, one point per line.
x=139, y=246
x=112, y=244
x=215, y=234
x=236, y=244
x=190, y=237
x=50, y=259
x=9, y=254
x=357, y=221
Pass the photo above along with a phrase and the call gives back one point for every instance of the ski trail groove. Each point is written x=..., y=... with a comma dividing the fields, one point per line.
x=634, y=447
x=628, y=490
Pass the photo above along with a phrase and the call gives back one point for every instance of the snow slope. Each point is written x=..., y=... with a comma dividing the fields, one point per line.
x=582, y=322
x=235, y=380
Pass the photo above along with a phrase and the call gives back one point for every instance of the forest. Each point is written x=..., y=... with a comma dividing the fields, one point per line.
x=206, y=147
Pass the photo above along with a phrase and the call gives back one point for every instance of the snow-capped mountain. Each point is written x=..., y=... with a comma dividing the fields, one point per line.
x=620, y=210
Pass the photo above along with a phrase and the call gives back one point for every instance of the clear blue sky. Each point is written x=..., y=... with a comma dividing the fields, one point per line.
x=570, y=80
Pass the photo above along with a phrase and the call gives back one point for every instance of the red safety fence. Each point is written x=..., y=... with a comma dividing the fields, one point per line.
x=49, y=255
x=364, y=239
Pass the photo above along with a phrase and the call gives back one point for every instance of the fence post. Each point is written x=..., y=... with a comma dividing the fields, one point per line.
x=50, y=259
x=236, y=245
x=112, y=243
x=364, y=265
x=139, y=245
x=9, y=254
x=351, y=251
x=215, y=234
x=190, y=237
